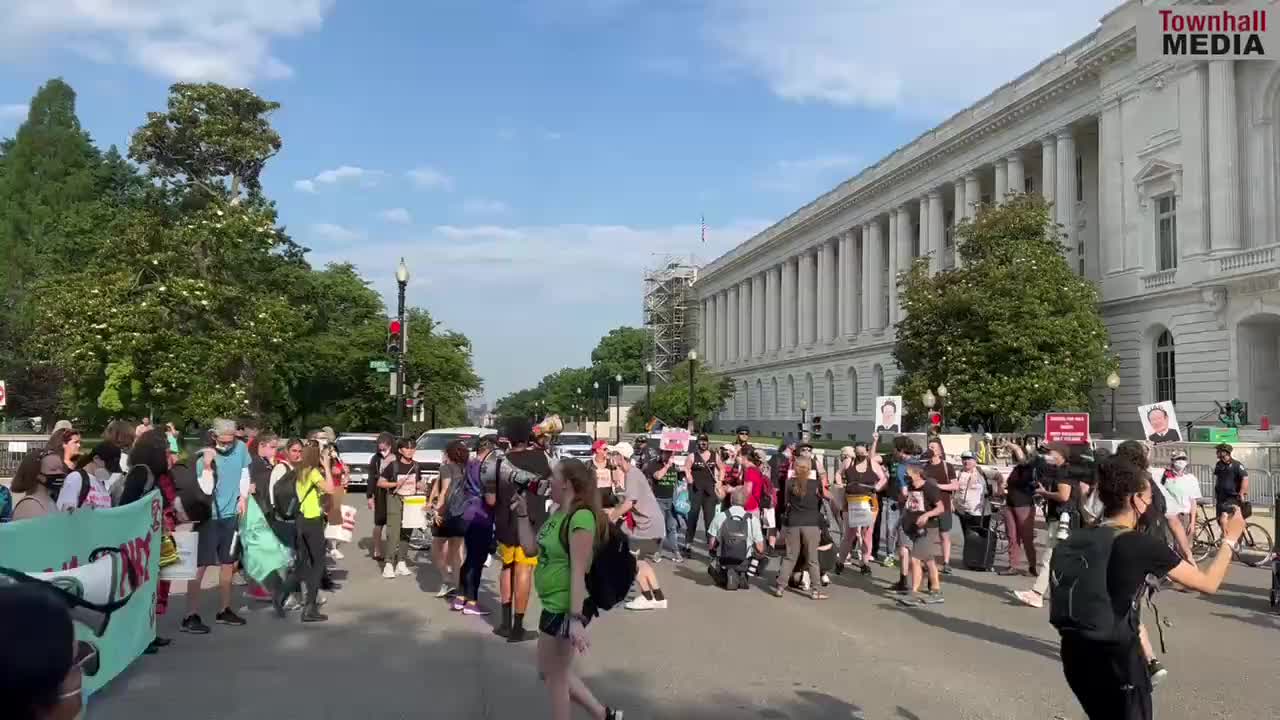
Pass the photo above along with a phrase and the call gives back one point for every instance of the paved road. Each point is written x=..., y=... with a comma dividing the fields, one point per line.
x=392, y=650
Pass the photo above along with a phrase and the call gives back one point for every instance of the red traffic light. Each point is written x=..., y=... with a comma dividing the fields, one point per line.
x=935, y=418
x=395, y=327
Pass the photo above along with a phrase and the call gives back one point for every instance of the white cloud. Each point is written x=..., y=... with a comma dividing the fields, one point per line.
x=481, y=206
x=429, y=178
x=808, y=175
x=551, y=135
x=337, y=234
x=922, y=55
x=15, y=111
x=399, y=216
x=344, y=173
x=227, y=41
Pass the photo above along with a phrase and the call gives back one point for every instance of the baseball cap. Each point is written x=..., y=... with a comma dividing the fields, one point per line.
x=595, y=446
x=642, y=439
x=1178, y=455
x=1224, y=447
x=966, y=455
x=62, y=425
x=742, y=429
x=624, y=449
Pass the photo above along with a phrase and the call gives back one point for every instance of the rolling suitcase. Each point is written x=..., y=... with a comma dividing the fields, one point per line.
x=979, y=549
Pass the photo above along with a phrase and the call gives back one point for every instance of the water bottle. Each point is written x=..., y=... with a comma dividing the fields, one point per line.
x=1064, y=522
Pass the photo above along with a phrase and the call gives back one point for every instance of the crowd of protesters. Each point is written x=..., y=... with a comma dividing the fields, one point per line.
x=506, y=497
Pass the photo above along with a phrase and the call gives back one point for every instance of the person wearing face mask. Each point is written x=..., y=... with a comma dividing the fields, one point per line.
x=1108, y=672
x=40, y=676
x=864, y=478
x=701, y=472
x=1055, y=490
x=1181, y=490
x=86, y=486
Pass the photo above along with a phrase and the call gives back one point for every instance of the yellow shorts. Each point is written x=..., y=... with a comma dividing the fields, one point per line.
x=515, y=555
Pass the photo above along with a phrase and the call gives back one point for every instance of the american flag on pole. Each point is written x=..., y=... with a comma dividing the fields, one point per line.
x=704, y=228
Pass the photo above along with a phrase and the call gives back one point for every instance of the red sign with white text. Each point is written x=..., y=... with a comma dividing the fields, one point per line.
x=1069, y=428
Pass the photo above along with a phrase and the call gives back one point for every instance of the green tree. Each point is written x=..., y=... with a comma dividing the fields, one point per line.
x=1013, y=332
x=671, y=400
x=625, y=350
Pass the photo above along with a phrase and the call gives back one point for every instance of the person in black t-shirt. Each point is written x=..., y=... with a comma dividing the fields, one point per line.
x=664, y=477
x=517, y=480
x=1112, y=680
x=377, y=496
x=1020, y=508
x=702, y=474
x=1230, y=481
x=1054, y=486
x=918, y=540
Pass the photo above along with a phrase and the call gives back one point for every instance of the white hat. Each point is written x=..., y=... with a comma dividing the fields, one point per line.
x=624, y=449
x=62, y=425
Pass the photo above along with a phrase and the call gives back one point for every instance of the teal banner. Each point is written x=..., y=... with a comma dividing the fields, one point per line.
x=57, y=549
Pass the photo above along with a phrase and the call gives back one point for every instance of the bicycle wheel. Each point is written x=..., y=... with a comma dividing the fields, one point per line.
x=1002, y=536
x=1255, y=545
x=1203, y=543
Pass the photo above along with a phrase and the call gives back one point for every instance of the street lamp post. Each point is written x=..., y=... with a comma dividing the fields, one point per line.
x=617, y=420
x=402, y=281
x=1113, y=382
x=942, y=405
x=578, y=410
x=693, y=367
x=804, y=416
x=648, y=385
x=595, y=417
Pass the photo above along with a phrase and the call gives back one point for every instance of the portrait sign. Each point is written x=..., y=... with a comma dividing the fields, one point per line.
x=888, y=414
x=1160, y=423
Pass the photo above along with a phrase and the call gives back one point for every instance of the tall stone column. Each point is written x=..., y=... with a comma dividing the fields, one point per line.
x=722, y=327
x=1066, y=193
x=875, y=266
x=843, y=285
x=790, y=303
x=906, y=238
x=1049, y=171
x=957, y=215
x=705, y=329
x=893, y=267
x=972, y=195
x=833, y=292
x=1224, y=157
x=924, y=232
x=1111, y=234
x=1017, y=178
x=758, y=317
x=857, y=299
x=823, y=259
x=746, y=325
x=734, y=318
x=804, y=287
x=771, y=309
x=1002, y=181
x=937, y=225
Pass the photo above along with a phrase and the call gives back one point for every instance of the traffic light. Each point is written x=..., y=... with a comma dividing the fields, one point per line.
x=817, y=423
x=395, y=338
x=935, y=419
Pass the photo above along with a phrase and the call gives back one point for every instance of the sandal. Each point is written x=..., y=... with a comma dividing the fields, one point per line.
x=819, y=595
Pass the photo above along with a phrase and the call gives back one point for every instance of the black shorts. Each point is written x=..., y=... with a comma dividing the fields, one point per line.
x=557, y=624
x=455, y=528
x=379, y=507
x=1111, y=683
x=213, y=546
x=644, y=548
x=944, y=522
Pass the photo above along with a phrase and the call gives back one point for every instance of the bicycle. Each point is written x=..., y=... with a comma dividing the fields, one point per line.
x=998, y=528
x=1254, y=548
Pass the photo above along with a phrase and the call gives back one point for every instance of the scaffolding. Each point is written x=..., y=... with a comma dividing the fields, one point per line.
x=670, y=312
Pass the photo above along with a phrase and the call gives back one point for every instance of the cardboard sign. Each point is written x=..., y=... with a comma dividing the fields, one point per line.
x=887, y=414
x=1160, y=423
x=1069, y=428
x=674, y=440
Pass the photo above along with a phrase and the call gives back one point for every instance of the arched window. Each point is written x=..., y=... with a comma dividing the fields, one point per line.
x=1166, y=369
x=831, y=392
x=791, y=393
x=808, y=391
x=877, y=380
x=746, y=401
x=853, y=392
x=777, y=402
x=760, y=399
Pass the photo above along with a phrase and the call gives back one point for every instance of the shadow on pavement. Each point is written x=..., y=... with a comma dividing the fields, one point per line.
x=387, y=663
x=980, y=631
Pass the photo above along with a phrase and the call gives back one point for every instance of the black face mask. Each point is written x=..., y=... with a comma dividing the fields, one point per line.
x=1147, y=518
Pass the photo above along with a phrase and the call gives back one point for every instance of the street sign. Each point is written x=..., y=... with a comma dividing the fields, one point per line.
x=1069, y=428
x=380, y=365
x=3, y=396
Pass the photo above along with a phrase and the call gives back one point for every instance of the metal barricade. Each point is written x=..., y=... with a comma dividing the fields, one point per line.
x=14, y=447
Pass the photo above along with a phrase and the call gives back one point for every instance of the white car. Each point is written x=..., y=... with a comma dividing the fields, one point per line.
x=429, y=450
x=573, y=445
x=356, y=450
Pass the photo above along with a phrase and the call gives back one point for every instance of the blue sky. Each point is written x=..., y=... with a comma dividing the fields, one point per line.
x=529, y=158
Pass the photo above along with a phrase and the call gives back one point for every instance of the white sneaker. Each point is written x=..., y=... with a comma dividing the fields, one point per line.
x=238, y=580
x=336, y=554
x=402, y=569
x=388, y=572
x=804, y=580
x=488, y=560
x=445, y=590
x=643, y=603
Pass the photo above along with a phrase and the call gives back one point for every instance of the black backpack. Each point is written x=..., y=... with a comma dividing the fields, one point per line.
x=196, y=503
x=733, y=540
x=612, y=572
x=1079, y=601
x=284, y=497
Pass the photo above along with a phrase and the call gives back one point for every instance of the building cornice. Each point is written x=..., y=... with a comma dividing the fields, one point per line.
x=1075, y=68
